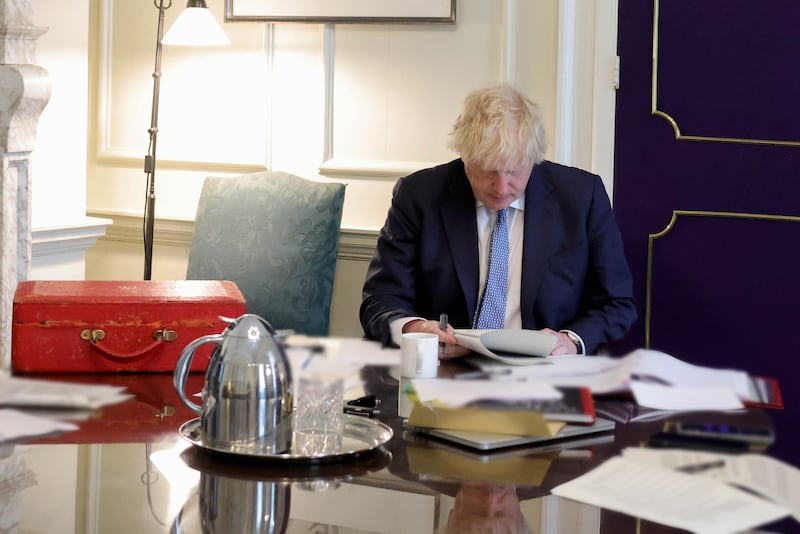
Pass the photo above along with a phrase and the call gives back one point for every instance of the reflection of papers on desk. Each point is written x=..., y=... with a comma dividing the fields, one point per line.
x=669, y=497
x=775, y=480
x=512, y=346
x=15, y=425
x=42, y=393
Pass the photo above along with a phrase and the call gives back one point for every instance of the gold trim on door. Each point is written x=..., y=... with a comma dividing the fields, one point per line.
x=670, y=226
x=672, y=122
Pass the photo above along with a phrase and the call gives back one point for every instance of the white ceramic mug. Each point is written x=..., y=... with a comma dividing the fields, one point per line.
x=419, y=355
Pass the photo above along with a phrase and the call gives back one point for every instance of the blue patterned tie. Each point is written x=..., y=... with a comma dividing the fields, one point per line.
x=492, y=310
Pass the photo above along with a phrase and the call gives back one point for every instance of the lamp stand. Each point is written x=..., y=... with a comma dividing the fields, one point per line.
x=150, y=158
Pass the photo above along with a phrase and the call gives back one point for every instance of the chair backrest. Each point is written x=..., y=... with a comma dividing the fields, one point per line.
x=276, y=235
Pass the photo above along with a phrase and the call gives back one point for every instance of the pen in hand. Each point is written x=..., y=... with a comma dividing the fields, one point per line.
x=443, y=328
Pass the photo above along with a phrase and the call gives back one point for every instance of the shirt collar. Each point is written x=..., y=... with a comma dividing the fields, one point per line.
x=517, y=204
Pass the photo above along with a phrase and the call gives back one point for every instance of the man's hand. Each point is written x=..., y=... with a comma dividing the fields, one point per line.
x=453, y=350
x=563, y=344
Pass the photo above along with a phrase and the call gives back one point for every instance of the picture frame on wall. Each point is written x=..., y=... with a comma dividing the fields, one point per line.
x=342, y=11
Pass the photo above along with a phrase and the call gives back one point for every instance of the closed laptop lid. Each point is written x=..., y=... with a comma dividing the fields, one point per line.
x=490, y=441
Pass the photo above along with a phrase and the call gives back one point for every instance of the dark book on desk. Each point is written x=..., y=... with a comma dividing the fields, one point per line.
x=576, y=405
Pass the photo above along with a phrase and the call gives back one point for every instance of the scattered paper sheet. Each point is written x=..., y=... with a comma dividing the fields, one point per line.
x=33, y=392
x=679, y=373
x=669, y=497
x=685, y=398
x=763, y=474
x=604, y=374
x=15, y=425
x=457, y=393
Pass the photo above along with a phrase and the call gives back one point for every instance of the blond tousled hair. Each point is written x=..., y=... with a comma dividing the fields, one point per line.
x=499, y=128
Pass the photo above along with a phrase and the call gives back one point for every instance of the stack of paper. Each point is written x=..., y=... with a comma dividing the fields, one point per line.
x=656, y=380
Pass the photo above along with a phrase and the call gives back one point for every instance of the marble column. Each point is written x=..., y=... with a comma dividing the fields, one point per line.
x=24, y=92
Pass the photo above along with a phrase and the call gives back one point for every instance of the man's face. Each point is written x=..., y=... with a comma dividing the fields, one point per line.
x=498, y=188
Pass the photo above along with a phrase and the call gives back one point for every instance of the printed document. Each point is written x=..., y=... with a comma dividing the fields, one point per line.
x=767, y=476
x=669, y=497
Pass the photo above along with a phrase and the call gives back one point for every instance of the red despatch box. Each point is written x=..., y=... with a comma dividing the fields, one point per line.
x=86, y=326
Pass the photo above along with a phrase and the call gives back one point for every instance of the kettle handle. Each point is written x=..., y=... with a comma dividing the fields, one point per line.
x=183, y=364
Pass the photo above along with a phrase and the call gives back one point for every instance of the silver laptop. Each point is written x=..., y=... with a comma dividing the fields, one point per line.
x=487, y=441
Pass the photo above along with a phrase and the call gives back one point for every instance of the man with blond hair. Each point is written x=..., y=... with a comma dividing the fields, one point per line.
x=549, y=227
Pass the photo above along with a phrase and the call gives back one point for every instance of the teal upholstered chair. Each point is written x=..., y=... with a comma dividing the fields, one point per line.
x=276, y=235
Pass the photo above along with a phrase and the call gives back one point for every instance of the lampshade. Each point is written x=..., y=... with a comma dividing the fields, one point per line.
x=196, y=26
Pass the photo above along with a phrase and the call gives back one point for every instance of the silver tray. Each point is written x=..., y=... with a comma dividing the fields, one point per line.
x=361, y=436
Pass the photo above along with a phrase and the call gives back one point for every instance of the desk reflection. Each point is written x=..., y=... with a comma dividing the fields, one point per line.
x=128, y=471
x=487, y=507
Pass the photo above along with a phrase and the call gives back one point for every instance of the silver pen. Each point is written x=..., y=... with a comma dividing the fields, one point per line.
x=443, y=328
x=470, y=375
x=699, y=468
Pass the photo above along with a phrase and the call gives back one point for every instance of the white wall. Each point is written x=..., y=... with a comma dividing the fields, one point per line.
x=360, y=104
x=59, y=160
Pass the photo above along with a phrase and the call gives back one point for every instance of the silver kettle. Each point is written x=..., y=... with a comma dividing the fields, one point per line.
x=247, y=396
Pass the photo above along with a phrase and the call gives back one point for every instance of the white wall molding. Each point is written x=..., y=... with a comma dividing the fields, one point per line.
x=509, y=37
x=333, y=166
x=67, y=239
x=354, y=244
x=566, y=88
x=605, y=84
x=59, y=253
x=328, y=60
x=371, y=168
x=109, y=153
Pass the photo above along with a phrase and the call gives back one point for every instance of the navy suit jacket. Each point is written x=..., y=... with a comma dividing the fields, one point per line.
x=574, y=272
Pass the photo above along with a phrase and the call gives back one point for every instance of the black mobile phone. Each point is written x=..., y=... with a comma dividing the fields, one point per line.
x=756, y=436
x=673, y=440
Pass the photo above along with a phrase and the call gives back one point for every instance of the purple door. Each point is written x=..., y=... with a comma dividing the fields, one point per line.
x=707, y=183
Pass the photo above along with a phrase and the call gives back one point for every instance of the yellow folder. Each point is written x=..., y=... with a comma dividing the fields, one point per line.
x=515, y=422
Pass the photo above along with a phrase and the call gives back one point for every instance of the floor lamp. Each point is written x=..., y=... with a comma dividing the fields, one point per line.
x=195, y=26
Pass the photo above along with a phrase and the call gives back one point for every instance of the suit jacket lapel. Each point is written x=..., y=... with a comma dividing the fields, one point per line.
x=458, y=214
x=541, y=211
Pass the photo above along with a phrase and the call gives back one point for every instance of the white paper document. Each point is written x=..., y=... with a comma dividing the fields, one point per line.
x=513, y=346
x=775, y=480
x=43, y=393
x=15, y=425
x=670, y=497
x=684, y=398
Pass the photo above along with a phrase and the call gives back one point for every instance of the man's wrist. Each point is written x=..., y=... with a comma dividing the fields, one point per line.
x=396, y=327
x=576, y=340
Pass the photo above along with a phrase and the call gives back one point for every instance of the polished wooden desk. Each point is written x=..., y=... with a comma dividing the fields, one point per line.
x=127, y=470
